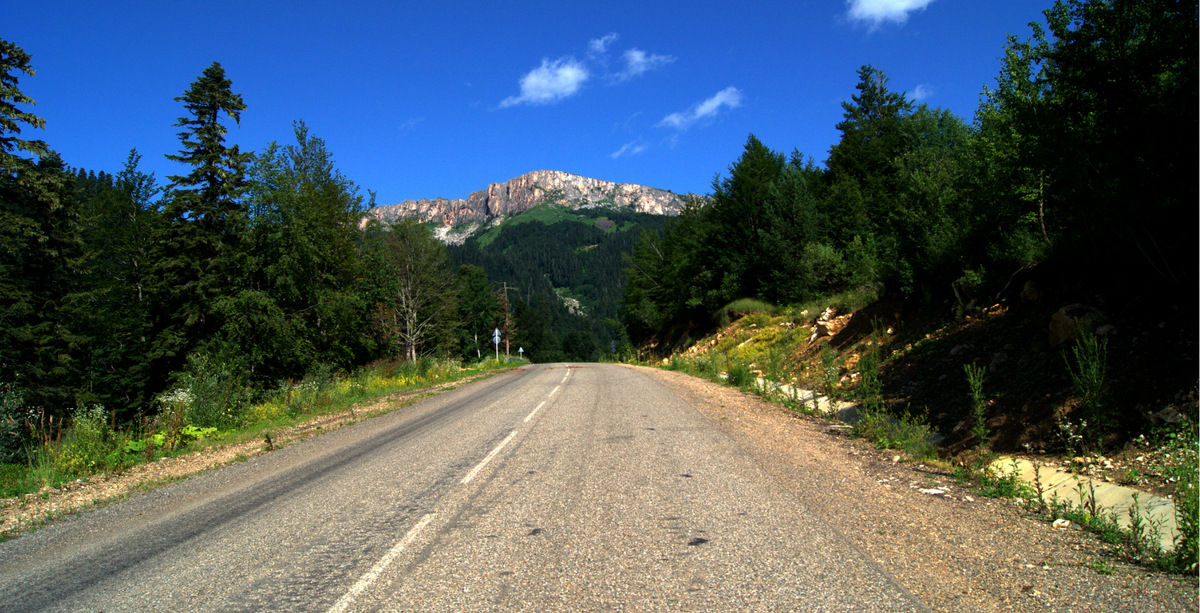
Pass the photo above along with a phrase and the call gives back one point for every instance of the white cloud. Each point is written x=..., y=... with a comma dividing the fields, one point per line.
x=922, y=92
x=599, y=45
x=410, y=123
x=729, y=97
x=630, y=148
x=550, y=82
x=638, y=62
x=876, y=12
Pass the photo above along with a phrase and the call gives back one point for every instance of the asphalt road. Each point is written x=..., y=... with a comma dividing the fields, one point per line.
x=552, y=488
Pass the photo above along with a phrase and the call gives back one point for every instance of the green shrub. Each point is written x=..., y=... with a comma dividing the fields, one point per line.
x=979, y=429
x=215, y=390
x=87, y=444
x=1184, y=446
x=831, y=372
x=739, y=374
x=1091, y=366
x=905, y=432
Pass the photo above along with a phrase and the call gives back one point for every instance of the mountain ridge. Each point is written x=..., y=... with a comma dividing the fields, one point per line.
x=529, y=190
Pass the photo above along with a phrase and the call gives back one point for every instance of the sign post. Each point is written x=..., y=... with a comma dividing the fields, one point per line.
x=521, y=352
x=496, y=341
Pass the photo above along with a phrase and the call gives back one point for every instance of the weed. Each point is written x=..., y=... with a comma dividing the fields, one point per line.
x=979, y=430
x=1103, y=567
x=1091, y=366
x=1073, y=437
x=905, y=432
x=831, y=372
x=739, y=374
x=1006, y=484
x=870, y=387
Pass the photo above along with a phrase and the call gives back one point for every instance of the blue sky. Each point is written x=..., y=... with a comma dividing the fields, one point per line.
x=441, y=98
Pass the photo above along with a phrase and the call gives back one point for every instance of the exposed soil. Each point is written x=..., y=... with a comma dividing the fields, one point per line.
x=955, y=550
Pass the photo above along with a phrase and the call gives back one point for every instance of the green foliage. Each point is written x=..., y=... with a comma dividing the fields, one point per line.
x=906, y=432
x=870, y=386
x=1090, y=354
x=831, y=372
x=211, y=393
x=13, y=429
x=14, y=59
x=739, y=374
x=979, y=430
x=87, y=445
x=1182, y=446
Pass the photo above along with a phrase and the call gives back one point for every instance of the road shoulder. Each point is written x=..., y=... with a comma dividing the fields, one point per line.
x=954, y=550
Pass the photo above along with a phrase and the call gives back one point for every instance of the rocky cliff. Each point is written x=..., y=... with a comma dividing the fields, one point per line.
x=530, y=190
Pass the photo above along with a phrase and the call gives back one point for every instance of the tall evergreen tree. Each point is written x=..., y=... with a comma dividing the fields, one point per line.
x=43, y=262
x=201, y=255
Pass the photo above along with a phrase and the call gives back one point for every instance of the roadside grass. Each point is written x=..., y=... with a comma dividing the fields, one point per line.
x=89, y=445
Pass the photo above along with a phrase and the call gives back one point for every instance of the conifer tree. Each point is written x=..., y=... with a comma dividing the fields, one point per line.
x=201, y=255
x=42, y=257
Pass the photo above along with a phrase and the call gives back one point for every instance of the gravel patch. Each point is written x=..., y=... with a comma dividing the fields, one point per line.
x=951, y=548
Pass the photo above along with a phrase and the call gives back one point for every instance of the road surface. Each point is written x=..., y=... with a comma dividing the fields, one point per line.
x=551, y=488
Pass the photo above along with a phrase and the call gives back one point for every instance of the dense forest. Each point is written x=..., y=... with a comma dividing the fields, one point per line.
x=1082, y=153
x=250, y=268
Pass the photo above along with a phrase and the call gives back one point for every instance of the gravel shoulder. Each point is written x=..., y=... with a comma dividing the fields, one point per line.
x=956, y=551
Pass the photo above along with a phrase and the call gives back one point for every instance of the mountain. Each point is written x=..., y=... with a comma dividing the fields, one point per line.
x=458, y=217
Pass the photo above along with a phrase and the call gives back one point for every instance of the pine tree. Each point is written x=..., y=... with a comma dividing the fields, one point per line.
x=201, y=256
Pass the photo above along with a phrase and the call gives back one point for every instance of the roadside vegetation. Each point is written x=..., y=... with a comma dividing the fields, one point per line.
x=199, y=412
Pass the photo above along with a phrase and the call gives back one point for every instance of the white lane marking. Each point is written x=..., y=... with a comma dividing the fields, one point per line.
x=534, y=411
x=366, y=580
x=479, y=467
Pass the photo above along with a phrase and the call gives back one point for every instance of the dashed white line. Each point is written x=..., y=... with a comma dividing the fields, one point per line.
x=373, y=574
x=535, y=410
x=367, y=579
x=479, y=467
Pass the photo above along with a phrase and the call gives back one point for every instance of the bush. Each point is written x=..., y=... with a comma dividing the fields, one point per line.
x=906, y=432
x=739, y=374
x=88, y=442
x=216, y=395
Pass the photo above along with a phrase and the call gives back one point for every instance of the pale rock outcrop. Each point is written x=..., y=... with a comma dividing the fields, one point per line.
x=529, y=190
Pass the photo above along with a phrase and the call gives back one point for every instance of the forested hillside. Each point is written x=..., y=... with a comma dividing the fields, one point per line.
x=563, y=269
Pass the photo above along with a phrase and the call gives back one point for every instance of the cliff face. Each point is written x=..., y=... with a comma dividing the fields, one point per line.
x=530, y=190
